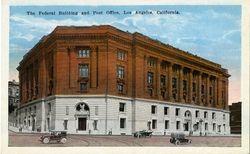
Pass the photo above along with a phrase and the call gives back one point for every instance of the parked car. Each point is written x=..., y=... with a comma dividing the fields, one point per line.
x=178, y=138
x=143, y=133
x=57, y=136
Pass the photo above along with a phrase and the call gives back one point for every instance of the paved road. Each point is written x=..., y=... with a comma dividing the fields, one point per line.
x=26, y=140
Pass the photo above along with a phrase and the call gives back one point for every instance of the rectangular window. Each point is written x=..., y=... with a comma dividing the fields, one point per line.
x=122, y=107
x=194, y=87
x=84, y=70
x=213, y=115
x=163, y=80
x=166, y=124
x=120, y=55
x=154, y=124
x=67, y=110
x=122, y=122
x=83, y=86
x=214, y=127
x=177, y=111
x=65, y=123
x=166, y=109
x=150, y=91
x=163, y=65
x=210, y=91
x=224, y=126
x=205, y=115
x=219, y=128
x=95, y=124
x=120, y=72
x=96, y=110
x=224, y=117
x=163, y=94
x=174, y=83
x=153, y=109
x=120, y=88
x=178, y=123
x=151, y=62
x=197, y=114
x=184, y=85
x=150, y=77
x=206, y=126
x=202, y=89
x=83, y=53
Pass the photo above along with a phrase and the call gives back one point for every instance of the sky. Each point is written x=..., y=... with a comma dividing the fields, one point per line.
x=212, y=32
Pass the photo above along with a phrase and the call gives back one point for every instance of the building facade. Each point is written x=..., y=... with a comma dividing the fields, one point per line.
x=100, y=80
x=235, y=118
x=13, y=90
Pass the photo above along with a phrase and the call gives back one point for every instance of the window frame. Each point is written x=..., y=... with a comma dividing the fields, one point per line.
x=83, y=70
x=83, y=52
x=122, y=123
x=122, y=106
x=154, y=124
x=166, y=110
x=177, y=112
x=166, y=123
x=120, y=72
x=153, y=109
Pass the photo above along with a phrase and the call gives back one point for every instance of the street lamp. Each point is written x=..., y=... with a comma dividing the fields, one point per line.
x=200, y=126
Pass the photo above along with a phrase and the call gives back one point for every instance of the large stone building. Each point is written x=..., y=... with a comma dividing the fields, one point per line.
x=99, y=79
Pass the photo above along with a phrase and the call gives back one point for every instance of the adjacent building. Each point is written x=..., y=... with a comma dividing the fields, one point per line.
x=99, y=79
x=13, y=100
x=235, y=118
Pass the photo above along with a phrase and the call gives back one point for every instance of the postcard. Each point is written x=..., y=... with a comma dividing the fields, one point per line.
x=127, y=78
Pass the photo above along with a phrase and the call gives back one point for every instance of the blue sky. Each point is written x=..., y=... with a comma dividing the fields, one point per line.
x=212, y=32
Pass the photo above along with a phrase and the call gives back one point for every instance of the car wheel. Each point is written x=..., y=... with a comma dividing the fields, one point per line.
x=46, y=140
x=171, y=140
x=177, y=142
x=189, y=141
x=63, y=140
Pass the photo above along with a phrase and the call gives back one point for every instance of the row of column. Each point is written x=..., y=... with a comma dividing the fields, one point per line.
x=217, y=87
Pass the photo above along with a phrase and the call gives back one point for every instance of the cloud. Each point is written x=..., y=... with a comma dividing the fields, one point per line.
x=27, y=37
x=14, y=48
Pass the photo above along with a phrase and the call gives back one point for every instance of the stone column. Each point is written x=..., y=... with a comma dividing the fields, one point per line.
x=226, y=95
x=215, y=92
x=207, y=90
x=170, y=67
x=180, y=91
x=145, y=81
x=219, y=96
x=158, y=81
x=93, y=66
x=190, y=84
x=199, y=88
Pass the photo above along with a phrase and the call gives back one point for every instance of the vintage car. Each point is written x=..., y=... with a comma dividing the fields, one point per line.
x=143, y=133
x=56, y=136
x=179, y=138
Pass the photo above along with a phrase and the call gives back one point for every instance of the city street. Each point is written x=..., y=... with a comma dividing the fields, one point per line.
x=32, y=139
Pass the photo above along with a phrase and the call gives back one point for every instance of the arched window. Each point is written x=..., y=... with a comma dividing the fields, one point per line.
x=82, y=107
x=187, y=114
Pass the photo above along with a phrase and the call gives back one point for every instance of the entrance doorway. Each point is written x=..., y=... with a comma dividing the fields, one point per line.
x=186, y=126
x=82, y=123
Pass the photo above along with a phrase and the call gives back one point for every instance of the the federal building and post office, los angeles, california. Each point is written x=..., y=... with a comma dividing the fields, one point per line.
x=99, y=79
